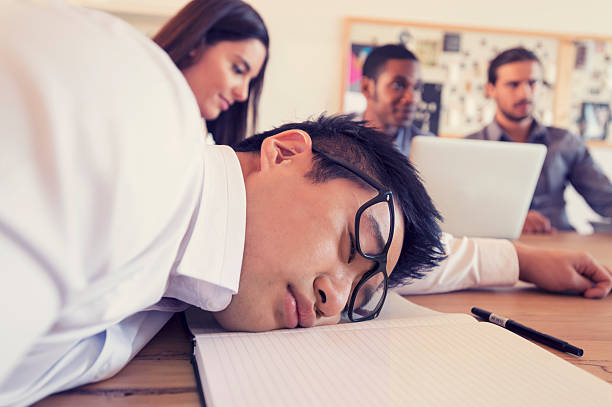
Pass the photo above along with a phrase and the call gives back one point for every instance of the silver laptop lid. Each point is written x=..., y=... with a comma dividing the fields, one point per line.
x=481, y=188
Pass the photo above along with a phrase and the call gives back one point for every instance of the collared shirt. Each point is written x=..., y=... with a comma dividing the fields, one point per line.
x=470, y=263
x=111, y=200
x=567, y=161
x=404, y=136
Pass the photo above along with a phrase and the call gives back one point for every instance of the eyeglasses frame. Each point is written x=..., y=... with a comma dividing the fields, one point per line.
x=384, y=195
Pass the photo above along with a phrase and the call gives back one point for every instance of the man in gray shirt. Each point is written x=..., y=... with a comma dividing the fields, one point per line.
x=514, y=79
x=392, y=86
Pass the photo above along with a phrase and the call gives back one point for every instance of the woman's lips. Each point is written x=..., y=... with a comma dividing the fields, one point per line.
x=225, y=104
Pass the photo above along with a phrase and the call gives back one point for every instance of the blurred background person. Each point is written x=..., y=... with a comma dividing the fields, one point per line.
x=392, y=85
x=514, y=79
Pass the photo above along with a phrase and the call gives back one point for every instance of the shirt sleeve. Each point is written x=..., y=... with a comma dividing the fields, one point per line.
x=31, y=292
x=24, y=281
x=91, y=359
x=589, y=179
x=471, y=263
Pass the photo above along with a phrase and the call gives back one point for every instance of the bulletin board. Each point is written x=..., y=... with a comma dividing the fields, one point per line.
x=577, y=91
x=591, y=89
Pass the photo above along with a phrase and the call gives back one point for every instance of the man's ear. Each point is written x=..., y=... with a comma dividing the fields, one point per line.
x=368, y=87
x=284, y=147
x=490, y=90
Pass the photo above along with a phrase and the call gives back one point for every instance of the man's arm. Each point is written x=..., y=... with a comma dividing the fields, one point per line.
x=29, y=303
x=473, y=263
x=590, y=181
x=535, y=222
x=470, y=263
x=31, y=288
x=561, y=270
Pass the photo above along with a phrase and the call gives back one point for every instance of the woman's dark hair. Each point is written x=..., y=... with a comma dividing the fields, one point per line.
x=374, y=153
x=207, y=22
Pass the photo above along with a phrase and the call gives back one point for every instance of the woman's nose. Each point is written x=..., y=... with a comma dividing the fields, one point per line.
x=241, y=91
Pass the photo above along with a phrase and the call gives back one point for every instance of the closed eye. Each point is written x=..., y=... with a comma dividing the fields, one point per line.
x=238, y=70
x=352, y=248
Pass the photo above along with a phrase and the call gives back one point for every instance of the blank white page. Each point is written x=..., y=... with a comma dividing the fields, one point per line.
x=435, y=361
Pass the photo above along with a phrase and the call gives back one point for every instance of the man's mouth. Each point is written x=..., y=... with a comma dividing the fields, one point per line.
x=299, y=311
x=523, y=103
x=290, y=310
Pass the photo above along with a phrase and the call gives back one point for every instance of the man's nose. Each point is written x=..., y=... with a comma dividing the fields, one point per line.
x=408, y=96
x=525, y=90
x=331, y=293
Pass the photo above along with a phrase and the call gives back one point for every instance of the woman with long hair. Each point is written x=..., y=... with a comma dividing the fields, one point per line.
x=221, y=46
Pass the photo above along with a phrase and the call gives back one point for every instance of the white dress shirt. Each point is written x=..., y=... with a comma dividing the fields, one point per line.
x=111, y=199
x=470, y=263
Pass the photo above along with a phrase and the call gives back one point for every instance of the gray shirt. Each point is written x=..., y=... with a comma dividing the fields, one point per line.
x=567, y=161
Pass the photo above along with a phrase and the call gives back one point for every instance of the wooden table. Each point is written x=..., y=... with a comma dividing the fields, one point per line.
x=161, y=373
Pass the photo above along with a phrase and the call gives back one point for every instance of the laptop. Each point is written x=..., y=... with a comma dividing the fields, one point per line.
x=482, y=188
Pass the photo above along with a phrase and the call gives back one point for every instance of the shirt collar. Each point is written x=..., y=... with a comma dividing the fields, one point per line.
x=403, y=137
x=215, y=241
x=537, y=132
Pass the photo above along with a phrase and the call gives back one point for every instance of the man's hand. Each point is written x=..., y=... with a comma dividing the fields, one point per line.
x=560, y=270
x=535, y=222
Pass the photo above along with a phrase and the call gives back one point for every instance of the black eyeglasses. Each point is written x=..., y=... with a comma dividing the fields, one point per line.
x=374, y=223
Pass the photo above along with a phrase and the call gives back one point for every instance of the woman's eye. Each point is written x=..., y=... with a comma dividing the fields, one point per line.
x=238, y=70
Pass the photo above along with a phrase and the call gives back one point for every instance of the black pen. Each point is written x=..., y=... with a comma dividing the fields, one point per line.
x=527, y=332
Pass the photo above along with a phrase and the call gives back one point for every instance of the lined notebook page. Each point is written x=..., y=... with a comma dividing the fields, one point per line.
x=430, y=361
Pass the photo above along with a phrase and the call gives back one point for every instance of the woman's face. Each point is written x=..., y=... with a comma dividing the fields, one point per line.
x=222, y=74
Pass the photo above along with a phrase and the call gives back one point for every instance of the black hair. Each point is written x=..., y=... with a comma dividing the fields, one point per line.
x=207, y=22
x=378, y=57
x=508, y=56
x=373, y=152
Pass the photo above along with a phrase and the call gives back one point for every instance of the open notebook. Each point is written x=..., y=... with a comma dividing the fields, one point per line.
x=411, y=356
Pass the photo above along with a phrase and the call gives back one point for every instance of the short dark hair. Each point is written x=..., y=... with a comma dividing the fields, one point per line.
x=373, y=153
x=508, y=56
x=207, y=22
x=378, y=57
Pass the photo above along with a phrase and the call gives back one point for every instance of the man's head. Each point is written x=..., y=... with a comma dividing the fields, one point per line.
x=391, y=83
x=300, y=261
x=514, y=81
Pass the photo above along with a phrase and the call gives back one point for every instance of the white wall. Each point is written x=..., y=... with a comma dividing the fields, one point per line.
x=304, y=74
x=305, y=70
x=305, y=67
